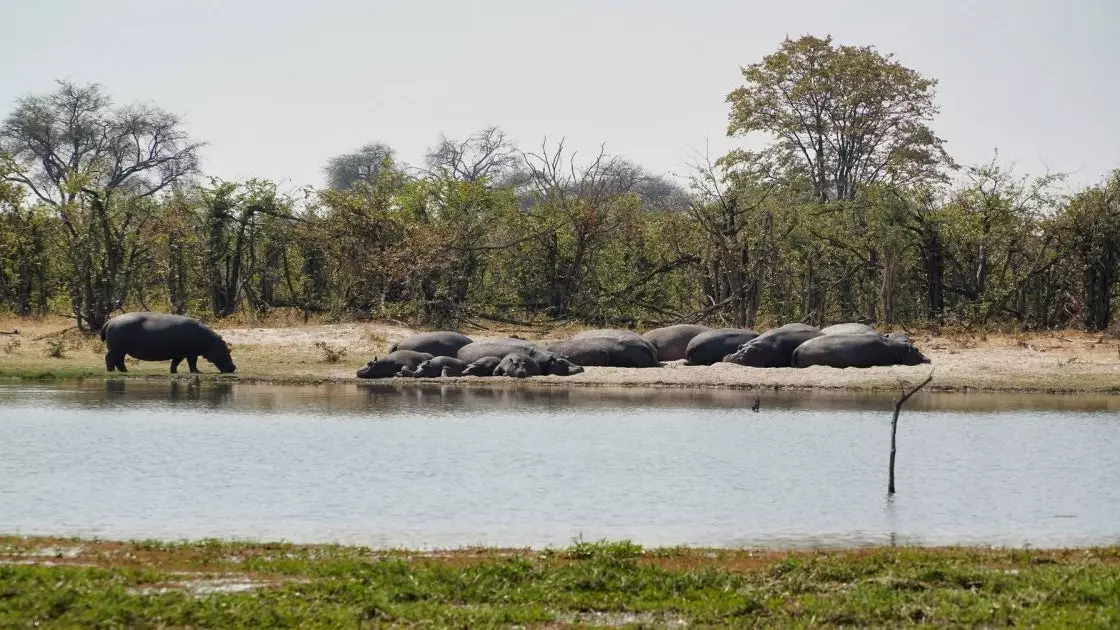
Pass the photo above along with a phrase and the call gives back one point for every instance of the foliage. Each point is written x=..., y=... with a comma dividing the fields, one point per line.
x=853, y=211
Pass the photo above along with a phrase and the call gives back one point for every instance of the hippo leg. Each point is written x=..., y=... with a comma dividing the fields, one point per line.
x=110, y=361
x=175, y=364
x=192, y=363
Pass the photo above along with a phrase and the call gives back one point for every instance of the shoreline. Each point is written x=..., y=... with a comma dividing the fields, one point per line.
x=1058, y=362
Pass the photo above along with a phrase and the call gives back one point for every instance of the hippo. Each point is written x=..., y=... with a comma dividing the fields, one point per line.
x=443, y=343
x=672, y=341
x=773, y=348
x=482, y=367
x=547, y=362
x=436, y=366
x=393, y=364
x=606, y=351
x=493, y=348
x=848, y=329
x=517, y=365
x=711, y=346
x=899, y=336
x=621, y=335
x=859, y=351
x=163, y=337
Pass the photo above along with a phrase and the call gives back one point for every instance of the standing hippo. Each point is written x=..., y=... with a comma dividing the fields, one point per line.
x=163, y=337
x=773, y=348
x=672, y=341
x=482, y=367
x=393, y=364
x=711, y=346
x=859, y=351
x=849, y=329
x=435, y=367
x=443, y=343
x=606, y=351
x=517, y=365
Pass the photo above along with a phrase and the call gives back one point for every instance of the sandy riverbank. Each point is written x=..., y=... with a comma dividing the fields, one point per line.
x=1062, y=361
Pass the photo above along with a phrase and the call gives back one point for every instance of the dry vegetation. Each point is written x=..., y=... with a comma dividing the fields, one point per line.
x=287, y=349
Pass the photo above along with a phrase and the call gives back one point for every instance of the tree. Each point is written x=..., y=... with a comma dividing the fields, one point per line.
x=487, y=155
x=346, y=171
x=97, y=166
x=846, y=116
x=1093, y=230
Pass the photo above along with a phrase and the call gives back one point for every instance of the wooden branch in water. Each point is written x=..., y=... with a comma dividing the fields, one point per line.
x=894, y=425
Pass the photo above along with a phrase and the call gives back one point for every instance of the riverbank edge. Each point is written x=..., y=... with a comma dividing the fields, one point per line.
x=873, y=385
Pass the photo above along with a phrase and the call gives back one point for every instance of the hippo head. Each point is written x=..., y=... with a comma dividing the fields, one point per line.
x=913, y=356
x=751, y=354
x=218, y=354
x=518, y=366
x=556, y=365
x=426, y=369
x=378, y=368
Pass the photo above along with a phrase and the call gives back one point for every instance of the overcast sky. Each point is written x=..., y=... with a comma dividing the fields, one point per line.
x=277, y=87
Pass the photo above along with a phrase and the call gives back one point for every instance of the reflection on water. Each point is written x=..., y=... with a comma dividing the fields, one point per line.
x=448, y=465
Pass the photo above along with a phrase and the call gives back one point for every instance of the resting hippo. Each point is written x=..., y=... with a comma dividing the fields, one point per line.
x=606, y=351
x=672, y=341
x=436, y=366
x=493, y=348
x=443, y=343
x=482, y=367
x=711, y=346
x=899, y=336
x=621, y=335
x=162, y=337
x=393, y=364
x=517, y=365
x=860, y=351
x=773, y=348
x=848, y=329
x=548, y=362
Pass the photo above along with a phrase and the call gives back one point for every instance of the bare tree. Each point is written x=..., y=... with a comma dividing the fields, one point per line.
x=487, y=154
x=96, y=164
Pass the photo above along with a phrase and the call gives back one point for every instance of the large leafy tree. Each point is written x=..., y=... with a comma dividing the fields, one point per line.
x=844, y=116
x=98, y=166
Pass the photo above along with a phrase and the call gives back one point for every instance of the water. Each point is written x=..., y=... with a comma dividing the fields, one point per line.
x=434, y=466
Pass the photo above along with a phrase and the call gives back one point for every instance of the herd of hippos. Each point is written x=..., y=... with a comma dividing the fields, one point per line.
x=448, y=353
x=151, y=336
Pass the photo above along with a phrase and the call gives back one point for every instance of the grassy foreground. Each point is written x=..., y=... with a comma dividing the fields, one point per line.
x=46, y=582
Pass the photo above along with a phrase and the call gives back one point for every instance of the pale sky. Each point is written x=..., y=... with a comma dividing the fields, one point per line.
x=278, y=87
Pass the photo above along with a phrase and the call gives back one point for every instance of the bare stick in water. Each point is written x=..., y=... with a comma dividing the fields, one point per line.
x=894, y=424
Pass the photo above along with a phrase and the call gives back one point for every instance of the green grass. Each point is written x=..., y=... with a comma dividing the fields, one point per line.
x=153, y=583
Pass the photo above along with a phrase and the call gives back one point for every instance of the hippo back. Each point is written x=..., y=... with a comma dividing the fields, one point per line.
x=711, y=346
x=494, y=348
x=441, y=343
x=672, y=341
x=851, y=328
x=393, y=363
x=773, y=348
x=621, y=335
x=606, y=351
x=856, y=350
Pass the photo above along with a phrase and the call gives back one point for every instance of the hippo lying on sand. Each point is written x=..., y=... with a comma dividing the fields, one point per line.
x=443, y=343
x=628, y=336
x=518, y=366
x=710, y=347
x=848, y=329
x=773, y=348
x=672, y=341
x=393, y=364
x=548, y=362
x=606, y=351
x=482, y=367
x=435, y=367
x=163, y=337
x=860, y=351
